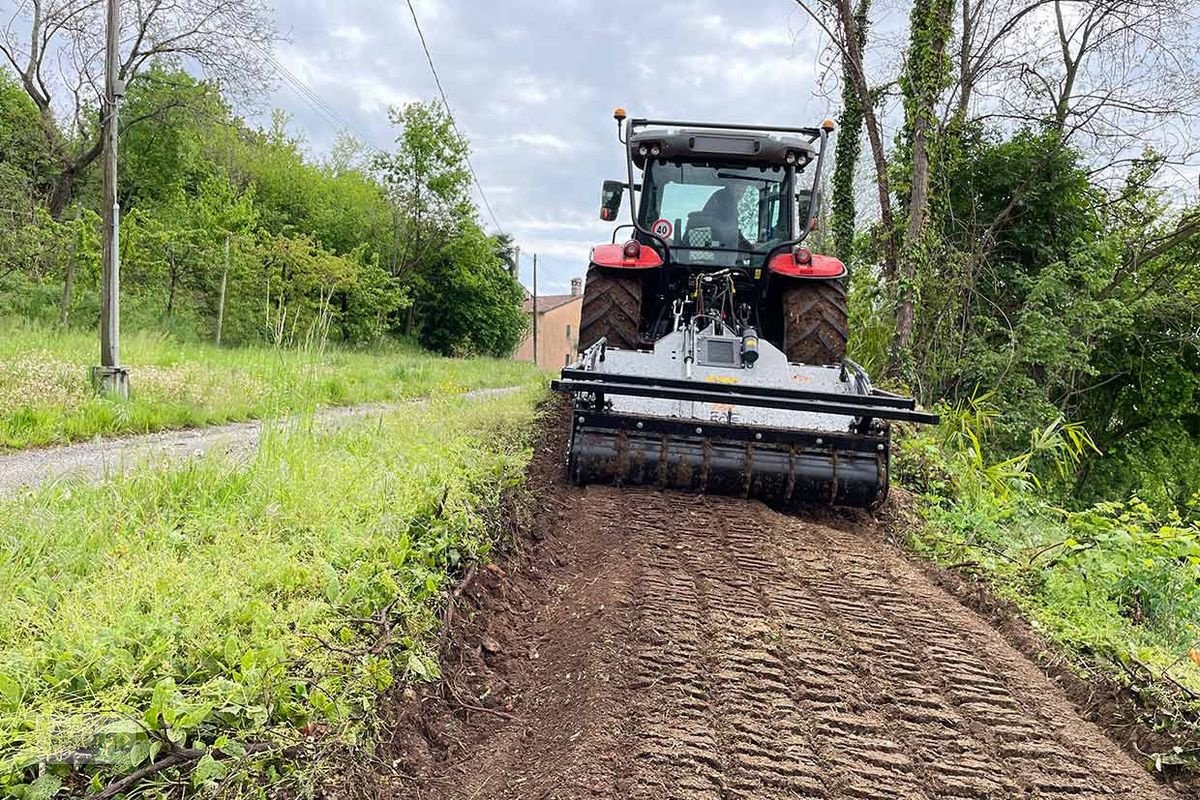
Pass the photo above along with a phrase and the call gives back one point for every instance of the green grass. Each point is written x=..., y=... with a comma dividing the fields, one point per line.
x=1117, y=586
x=45, y=396
x=228, y=607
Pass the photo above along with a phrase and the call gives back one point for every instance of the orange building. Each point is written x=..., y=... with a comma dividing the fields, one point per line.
x=557, y=328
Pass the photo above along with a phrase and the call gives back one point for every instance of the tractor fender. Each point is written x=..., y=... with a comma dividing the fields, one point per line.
x=818, y=266
x=613, y=256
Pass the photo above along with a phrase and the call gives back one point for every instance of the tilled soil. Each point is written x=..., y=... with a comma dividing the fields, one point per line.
x=654, y=645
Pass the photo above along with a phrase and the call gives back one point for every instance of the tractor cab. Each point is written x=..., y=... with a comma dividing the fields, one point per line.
x=732, y=205
x=719, y=199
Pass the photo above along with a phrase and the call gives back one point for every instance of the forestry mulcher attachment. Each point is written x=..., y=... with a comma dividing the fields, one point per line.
x=714, y=341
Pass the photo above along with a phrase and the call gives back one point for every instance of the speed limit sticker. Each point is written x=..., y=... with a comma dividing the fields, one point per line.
x=663, y=228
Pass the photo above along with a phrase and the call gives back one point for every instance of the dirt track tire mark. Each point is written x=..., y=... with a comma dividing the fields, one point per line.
x=932, y=653
x=788, y=663
x=765, y=656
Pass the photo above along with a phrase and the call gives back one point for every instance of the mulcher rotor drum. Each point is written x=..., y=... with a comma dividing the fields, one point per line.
x=665, y=417
x=724, y=460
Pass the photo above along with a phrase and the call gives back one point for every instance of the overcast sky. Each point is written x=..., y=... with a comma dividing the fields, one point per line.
x=533, y=84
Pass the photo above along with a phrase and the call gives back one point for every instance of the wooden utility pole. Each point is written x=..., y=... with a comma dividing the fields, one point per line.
x=110, y=377
x=535, y=312
x=221, y=302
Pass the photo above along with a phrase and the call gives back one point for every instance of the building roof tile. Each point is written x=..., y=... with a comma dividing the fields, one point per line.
x=549, y=302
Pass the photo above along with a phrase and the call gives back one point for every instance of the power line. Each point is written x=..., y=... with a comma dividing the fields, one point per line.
x=314, y=100
x=453, y=124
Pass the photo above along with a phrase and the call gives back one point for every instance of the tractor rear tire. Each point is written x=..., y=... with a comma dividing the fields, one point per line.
x=612, y=309
x=816, y=322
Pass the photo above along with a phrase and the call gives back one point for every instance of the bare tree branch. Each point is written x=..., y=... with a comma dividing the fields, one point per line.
x=222, y=39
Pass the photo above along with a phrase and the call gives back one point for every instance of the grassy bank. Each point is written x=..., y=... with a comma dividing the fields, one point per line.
x=213, y=615
x=45, y=397
x=1117, y=586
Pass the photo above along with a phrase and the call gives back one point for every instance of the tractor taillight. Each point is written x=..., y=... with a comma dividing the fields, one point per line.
x=632, y=249
x=802, y=255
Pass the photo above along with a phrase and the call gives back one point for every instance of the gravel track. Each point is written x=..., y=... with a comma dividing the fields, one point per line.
x=93, y=461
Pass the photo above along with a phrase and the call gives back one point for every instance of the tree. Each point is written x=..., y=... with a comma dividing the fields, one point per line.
x=922, y=82
x=848, y=146
x=428, y=181
x=55, y=46
x=925, y=77
x=468, y=303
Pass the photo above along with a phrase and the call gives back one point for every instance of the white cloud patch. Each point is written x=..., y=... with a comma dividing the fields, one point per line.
x=350, y=34
x=770, y=37
x=542, y=141
x=569, y=250
x=530, y=90
x=742, y=74
x=376, y=96
x=583, y=223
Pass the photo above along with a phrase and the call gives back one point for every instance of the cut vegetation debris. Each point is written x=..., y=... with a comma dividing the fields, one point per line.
x=45, y=397
x=207, y=618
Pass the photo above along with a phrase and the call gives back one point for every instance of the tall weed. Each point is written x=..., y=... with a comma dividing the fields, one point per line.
x=1118, y=583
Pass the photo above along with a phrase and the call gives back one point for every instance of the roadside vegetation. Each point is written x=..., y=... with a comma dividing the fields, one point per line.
x=1116, y=583
x=237, y=235
x=212, y=618
x=202, y=625
x=45, y=396
x=1030, y=266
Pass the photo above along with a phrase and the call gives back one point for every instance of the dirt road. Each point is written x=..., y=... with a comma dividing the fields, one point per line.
x=92, y=461
x=650, y=645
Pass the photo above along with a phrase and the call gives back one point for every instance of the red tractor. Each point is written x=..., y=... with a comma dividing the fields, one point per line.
x=715, y=198
x=714, y=341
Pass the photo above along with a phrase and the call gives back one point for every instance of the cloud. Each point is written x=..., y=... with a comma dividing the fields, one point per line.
x=769, y=37
x=542, y=141
x=350, y=34
x=529, y=90
x=709, y=22
x=744, y=73
x=375, y=97
x=534, y=86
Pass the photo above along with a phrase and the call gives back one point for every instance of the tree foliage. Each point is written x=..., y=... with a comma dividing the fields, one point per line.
x=223, y=221
x=56, y=48
x=1025, y=249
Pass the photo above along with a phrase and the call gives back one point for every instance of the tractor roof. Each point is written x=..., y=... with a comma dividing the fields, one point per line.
x=742, y=146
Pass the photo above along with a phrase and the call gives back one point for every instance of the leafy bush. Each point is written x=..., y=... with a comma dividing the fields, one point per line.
x=1117, y=583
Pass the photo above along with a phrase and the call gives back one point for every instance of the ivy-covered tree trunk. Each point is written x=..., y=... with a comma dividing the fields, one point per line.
x=848, y=148
x=926, y=75
x=852, y=60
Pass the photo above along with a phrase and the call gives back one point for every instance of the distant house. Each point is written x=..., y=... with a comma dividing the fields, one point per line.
x=557, y=328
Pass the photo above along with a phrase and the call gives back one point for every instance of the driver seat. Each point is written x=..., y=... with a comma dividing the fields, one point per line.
x=715, y=225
